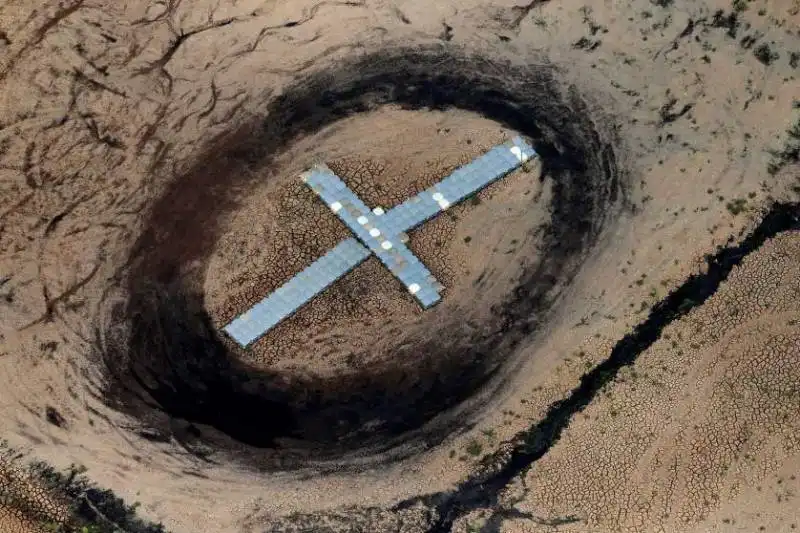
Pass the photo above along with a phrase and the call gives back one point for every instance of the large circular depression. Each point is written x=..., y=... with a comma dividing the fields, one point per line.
x=361, y=370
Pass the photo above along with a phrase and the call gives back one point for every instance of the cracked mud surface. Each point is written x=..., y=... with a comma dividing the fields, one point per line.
x=148, y=152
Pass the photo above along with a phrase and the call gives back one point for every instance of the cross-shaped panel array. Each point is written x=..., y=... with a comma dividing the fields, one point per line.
x=379, y=233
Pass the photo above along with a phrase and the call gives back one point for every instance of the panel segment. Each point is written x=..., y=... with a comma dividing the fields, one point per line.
x=390, y=226
x=463, y=182
x=382, y=238
x=296, y=292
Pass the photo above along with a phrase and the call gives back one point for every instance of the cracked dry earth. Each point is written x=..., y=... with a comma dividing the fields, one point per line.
x=701, y=433
x=103, y=104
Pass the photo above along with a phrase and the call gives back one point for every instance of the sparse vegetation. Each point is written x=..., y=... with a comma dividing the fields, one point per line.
x=736, y=206
x=474, y=448
x=94, y=510
x=730, y=22
x=790, y=153
x=86, y=508
x=740, y=5
x=765, y=54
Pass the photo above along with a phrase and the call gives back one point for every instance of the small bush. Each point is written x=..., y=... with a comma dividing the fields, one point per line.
x=736, y=206
x=740, y=5
x=791, y=150
x=765, y=54
x=474, y=448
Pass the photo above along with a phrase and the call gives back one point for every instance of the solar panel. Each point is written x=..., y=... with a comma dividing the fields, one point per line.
x=381, y=236
x=292, y=295
x=381, y=233
x=463, y=182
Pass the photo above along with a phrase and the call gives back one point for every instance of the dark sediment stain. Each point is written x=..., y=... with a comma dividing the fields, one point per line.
x=165, y=365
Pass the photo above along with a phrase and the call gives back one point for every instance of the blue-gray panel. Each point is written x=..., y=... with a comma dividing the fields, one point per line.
x=381, y=238
x=292, y=295
x=350, y=253
x=463, y=182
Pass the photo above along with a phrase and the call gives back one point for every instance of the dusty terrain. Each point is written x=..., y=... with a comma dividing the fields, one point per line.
x=619, y=345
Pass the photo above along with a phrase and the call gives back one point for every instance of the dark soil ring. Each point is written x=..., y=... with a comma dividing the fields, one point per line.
x=165, y=364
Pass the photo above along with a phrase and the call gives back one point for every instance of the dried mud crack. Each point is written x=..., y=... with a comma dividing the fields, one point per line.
x=166, y=365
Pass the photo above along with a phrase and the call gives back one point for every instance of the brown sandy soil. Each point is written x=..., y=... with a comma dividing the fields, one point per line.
x=104, y=104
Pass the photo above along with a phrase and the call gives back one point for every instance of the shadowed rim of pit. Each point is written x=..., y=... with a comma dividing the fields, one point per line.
x=185, y=384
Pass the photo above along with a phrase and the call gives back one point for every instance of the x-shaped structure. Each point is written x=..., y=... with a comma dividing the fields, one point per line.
x=376, y=232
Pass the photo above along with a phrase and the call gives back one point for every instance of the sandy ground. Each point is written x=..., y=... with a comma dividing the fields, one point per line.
x=104, y=106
